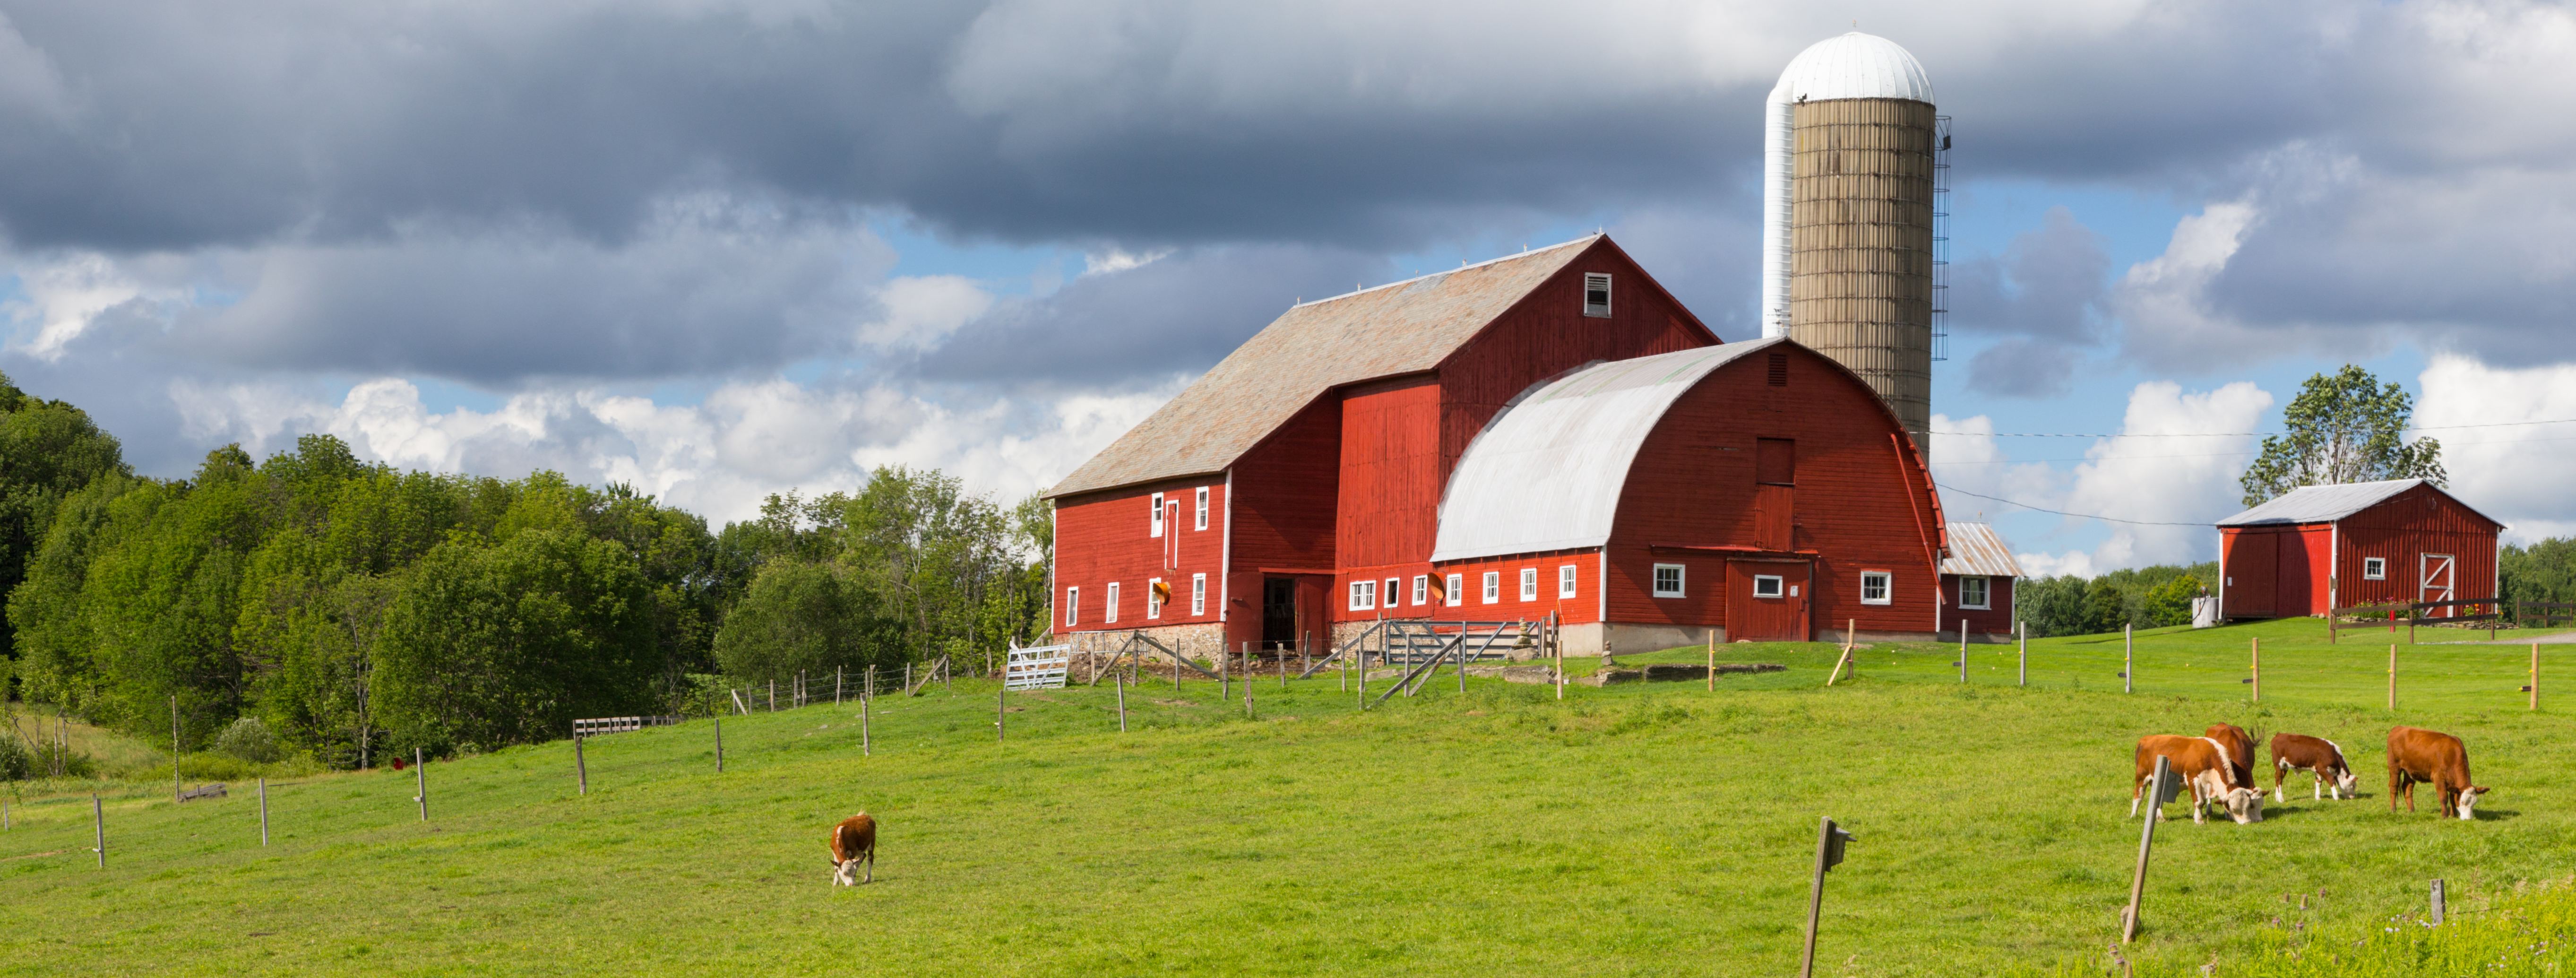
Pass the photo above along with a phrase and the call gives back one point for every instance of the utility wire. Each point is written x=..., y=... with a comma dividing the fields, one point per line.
x=2060, y=512
x=2226, y=434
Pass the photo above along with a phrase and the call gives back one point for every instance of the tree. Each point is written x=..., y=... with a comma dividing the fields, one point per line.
x=2542, y=572
x=2344, y=427
x=2169, y=603
x=798, y=616
x=48, y=450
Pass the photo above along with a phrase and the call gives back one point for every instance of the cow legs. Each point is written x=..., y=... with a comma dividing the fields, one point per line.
x=872, y=866
x=2279, y=771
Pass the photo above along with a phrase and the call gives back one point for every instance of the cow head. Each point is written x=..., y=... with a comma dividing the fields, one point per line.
x=2346, y=786
x=2245, y=805
x=2468, y=798
x=845, y=872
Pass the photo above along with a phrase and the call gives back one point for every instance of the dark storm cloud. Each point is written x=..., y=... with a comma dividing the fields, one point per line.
x=2042, y=298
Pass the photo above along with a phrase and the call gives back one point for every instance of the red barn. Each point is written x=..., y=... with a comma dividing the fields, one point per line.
x=2319, y=547
x=1547, y=432
x=1977, y=583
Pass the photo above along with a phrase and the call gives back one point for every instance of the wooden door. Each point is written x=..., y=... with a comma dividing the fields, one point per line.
x=2253, y=574
x=1766, y=600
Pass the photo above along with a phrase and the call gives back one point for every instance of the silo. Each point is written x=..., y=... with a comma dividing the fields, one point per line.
x=1849, y=213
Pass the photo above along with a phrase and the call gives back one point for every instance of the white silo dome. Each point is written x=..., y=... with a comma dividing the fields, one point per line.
x=1856, y=65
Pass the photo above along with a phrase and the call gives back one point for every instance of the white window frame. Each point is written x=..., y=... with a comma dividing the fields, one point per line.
x=1457, y=590
x=1681, y=581
x=1203, y=507
x=1073, y=606
x=1985, y=593
x=1529, y=583
x=1779, y=586
x=1886, y=587
x=1155, y=526
x=1153, y=607
x=1601, y=311
x=1363, y=595
x=1421, y=589
x=1566, y=580
x=1394, y=593
x=1110, y=614
x=2368, y=574
x=1198, y=595
x=1493, y=586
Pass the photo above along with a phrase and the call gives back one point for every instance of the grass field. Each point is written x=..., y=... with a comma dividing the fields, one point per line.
x=1629, y=830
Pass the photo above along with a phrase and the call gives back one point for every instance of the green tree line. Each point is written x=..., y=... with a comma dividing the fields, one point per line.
x=351, y=608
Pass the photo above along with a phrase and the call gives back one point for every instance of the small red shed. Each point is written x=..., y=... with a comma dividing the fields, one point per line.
x=2320, y=547
x=1977, y=580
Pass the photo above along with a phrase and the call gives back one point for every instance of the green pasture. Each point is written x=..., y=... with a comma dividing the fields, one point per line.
x=1632, y=829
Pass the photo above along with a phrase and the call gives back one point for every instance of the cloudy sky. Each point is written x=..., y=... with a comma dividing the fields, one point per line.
x=720, y=249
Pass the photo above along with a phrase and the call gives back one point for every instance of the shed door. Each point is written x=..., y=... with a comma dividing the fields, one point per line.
x=2436, y=572
x=2253, y=573
x=1766, y=601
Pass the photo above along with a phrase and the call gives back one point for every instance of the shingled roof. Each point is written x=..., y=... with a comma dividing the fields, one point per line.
x=1400, y=328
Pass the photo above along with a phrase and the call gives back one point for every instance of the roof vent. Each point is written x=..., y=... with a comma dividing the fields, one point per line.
x=1596, y=294
x=1779, y=370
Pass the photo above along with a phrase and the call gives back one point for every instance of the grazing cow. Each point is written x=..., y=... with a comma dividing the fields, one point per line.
x=2240, y=752
x=2202, y=763
x=2437, y=759
x=854, y=841
x=2315, y=755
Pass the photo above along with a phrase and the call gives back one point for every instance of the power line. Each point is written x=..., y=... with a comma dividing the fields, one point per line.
x=2225, y=434
x=2060, y=512
x=2123, y=458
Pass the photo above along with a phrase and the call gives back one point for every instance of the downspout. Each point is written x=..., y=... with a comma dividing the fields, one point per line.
x=1778, y=162
x=2334, y=566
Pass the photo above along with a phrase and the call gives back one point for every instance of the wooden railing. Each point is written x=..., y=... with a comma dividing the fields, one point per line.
x=2498, y=614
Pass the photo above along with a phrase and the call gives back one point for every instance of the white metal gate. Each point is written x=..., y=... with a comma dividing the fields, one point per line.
x=1042, y=667
x=2435, y=575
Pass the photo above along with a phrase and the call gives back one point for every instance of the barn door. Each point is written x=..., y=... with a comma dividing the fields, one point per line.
x=2435, y=572
x=1766, y=600
x=2253, y=574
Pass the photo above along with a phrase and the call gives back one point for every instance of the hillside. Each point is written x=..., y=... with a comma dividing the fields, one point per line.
x=1628, y=830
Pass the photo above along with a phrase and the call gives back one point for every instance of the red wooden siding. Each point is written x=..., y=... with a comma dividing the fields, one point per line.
x=1389, y=507
x=1997, y=618
x=1546, y=334
x=1583, y=607
x=2401, y=529
x=1693, y=485
x=2249, y=570
x=1105, y=537
x=1284, y=498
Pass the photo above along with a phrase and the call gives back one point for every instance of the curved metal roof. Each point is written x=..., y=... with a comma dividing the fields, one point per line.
x=1546, y=473
x=1855, y=65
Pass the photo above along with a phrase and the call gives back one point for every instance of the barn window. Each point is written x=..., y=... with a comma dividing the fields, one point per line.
x=1775, y=461
x=1198, y=594
x=1154, y=598
x=1155, y=528
x=1072, y=606
x=1766, y=585
x=1596, y=294
x=1111, y=614
x=1457, y=589
x=1421, y=589
x=1529, y=583
x=1363, y=595
x=1874, y=587
x=2374, y=568
x=1668, y=580
x=1203, y=507
x=1972, y=593
x=1565, y=580
x=1493, y=586
x=1394, y=592
x=1779, y=370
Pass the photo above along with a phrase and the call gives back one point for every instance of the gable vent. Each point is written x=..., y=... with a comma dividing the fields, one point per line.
x=1596, y=294
x=1779, y=370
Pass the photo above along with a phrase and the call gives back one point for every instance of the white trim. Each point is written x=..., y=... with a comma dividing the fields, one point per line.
x=1421, y=589
x=1363, y=595
x=1154, y=523
x=1779, y=586
x=1529, y=583
x=1985, y=584
x=1681, y=581
x=1073, y=606
x=1203, y=507
x=1198, y=595
x=1493, y=586
x=1153, y=602
x=1225, y=555
x=1568, y=581
x=1457, y=591
x=1886, y=587
x=1109, y=613
x=1604, y=307
x=2380, y=574
x=1394, y=597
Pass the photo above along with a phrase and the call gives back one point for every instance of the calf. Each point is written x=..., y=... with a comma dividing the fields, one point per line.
x=854, y=841
x=2202, y=763
x=2437, y=759
x=2315, y=755
x=2240, y=753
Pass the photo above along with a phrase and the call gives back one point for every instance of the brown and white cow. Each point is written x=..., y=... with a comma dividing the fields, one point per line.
x=2437, y=759
x=2240, y=752
x=2315, y=755
x=2202, y=764
x=854, y=841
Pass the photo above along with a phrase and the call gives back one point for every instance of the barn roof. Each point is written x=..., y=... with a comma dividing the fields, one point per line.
x=1975, y=548
x=1545, y=474
x=2326, y=504
x=1398, y=328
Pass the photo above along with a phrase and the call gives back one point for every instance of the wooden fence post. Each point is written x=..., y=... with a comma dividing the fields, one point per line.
x=867, y=742
x=98, y=816
x=2392, y=675
x=2438, y=901
x=420, y=774
x=719, y=743
x=2128, y=657
x=2535, y=675
x=2258, y=669
x=1712, y=660
x=2021, y=631
x=1118, y=678
x=1002, y=704
x=176, y=790
x=838, y=681
x=1963, y=649
x=2157, y=792
x=263, y=811
x=578, y=765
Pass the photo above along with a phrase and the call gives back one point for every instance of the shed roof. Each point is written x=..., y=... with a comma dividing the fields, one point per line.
x=1312, y=348
x=2326, y=504
x=1545, y=474
x=1975, y=548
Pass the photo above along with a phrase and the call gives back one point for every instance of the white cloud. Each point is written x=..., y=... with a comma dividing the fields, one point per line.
x=921, y=311
x=2519, y=474
x=2173, y=487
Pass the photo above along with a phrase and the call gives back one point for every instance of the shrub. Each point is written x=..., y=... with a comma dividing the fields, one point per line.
x=249, y=739
x=16, y=764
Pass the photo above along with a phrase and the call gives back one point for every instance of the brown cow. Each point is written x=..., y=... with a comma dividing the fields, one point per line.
x=853, y=841
x=2202, y=763
x=2240, y=752
x=2437, y=759
x=2315, y=755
